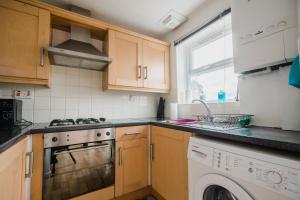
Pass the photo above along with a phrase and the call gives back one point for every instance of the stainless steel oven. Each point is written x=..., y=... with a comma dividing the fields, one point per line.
x=78, y=162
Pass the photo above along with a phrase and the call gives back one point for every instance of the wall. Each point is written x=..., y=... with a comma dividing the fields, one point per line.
x=273, y=102
x=76, y=93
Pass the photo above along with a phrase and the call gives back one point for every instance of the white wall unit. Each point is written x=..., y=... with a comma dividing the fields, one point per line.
x=264, y=33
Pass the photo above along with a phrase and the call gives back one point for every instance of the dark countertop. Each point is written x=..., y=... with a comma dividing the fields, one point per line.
x=10, y=136
x=262, y=136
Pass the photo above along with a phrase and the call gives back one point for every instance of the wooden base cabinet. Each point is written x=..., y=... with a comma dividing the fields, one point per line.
x=131, y=159
x=12, y=172
x=24, y=38
x=138, y=64
x=169, y=162
x=36, y=192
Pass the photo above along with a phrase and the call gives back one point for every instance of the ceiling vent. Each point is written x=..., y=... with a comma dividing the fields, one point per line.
x=173, y=19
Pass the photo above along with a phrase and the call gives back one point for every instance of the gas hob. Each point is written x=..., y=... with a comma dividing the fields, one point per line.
x=78, y=121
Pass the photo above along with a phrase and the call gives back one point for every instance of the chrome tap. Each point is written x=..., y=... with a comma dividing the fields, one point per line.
x=206, y=106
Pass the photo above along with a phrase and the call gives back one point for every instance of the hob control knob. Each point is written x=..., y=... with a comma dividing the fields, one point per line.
x=274, y=177
x=54, y=139
x=108, y=133
x=98, y=134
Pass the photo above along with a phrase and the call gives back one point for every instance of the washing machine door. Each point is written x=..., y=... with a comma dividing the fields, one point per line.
x=218, y=187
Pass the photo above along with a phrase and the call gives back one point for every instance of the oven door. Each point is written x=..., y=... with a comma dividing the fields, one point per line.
x=74, y=170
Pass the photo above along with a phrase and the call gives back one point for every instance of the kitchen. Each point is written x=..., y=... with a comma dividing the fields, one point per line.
x=185, y=100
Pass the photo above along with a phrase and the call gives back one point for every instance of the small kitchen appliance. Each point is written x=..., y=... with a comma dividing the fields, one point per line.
x=10, y=112
x=161, y=109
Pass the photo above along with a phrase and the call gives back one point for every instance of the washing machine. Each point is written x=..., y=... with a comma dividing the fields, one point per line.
x=220, y=170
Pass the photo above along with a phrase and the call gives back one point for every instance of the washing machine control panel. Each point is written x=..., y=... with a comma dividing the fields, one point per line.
x=272, y=176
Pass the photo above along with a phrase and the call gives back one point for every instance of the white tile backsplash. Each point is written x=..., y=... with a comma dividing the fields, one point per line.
x=58, y=103
x=27, y=114
x=58, y=90
x=42, y=91
x=72, y=103
x=85, y=78
x=71, y=114
x=78, y=93
x=72, y=91
x=72, y=77
x=7, y=89
x=41, y=115
x=41, y=103
x=28, y=104
x=59, y=79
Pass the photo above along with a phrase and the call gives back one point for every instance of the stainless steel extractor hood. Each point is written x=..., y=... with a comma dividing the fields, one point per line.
x=78, y=52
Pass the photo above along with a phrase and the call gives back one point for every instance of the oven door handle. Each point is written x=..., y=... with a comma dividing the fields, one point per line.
x=82, y=149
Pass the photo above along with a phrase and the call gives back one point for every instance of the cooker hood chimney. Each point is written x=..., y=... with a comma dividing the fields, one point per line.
x=78, y=52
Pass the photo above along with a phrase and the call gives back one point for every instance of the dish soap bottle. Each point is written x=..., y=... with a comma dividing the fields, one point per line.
x=221, y=96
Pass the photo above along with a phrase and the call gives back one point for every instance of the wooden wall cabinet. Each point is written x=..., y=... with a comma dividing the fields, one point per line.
x=25, y=32
x=131, y=159
x=156, y=66
x=138, y=64
x=169, y=162
x=12, y=172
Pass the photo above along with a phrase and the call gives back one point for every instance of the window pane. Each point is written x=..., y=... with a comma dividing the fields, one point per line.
x=213, y=52
x=212, y=82
x=210, y=56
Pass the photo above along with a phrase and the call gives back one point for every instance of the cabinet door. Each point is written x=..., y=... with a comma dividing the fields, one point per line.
x=131, y=132
x=155, y=65
x=12, y=172
x=24, y=33
x=126, y=52
x=169, y=163
x=131, y=165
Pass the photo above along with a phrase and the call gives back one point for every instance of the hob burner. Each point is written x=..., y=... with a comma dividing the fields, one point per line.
x=62, y=122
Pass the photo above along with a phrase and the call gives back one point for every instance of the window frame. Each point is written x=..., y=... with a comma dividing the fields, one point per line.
x=218, y=65
x=203, y=42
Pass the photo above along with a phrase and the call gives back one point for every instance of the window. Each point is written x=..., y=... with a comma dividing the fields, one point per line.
x=208, y=56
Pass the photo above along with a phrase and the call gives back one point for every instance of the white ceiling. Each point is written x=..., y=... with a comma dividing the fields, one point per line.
x=137, y=15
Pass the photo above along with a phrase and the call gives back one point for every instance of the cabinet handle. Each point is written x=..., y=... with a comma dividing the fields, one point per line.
x=81, y=149
x=152, y=151
x=133, y=133
x=28, y=164
x=145, y=72
x=42, y=57
x=139, y=72
x=120, y=156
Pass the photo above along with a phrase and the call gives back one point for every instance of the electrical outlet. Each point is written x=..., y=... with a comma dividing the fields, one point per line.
x=23, y=94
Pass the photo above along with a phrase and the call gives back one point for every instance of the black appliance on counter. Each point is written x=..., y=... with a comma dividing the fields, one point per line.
x=161, y=109
x=10, y=112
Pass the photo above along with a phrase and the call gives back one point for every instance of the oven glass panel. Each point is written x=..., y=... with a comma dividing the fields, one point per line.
x=215, y=192
x=78, y=169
